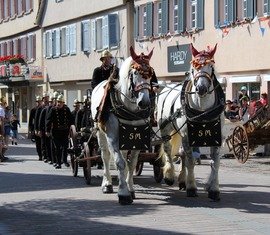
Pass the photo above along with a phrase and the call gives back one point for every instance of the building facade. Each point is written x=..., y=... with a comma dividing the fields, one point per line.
x=241, y=28
x=61, y=42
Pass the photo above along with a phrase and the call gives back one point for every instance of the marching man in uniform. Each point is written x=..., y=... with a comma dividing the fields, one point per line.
x=58, y=123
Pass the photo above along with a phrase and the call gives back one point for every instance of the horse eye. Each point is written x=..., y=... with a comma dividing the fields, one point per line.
x=135, y=72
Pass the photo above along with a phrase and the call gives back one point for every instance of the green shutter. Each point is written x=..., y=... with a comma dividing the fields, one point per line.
x=268, y=7
x=181, y=15
x=136, y=22
x=250, y=9
x=200, y=14
x=164, y=16
x=149, y=21
x=216, y=15
x=231, y=11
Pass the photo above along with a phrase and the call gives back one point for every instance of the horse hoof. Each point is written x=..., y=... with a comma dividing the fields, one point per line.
x=125, y=200
x=107, y=189
x=214, y=195
x=192, y=193
x=182, y=186
x=169, y=181
x=133, y=195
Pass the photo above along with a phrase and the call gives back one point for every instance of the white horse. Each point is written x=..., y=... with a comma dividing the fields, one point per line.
x=129, y=103
x=192, y=115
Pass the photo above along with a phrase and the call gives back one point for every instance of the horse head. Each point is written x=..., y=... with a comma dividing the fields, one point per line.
x=140, y=73
x=202, y=70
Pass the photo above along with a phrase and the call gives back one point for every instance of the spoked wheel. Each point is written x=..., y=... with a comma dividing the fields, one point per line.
x=87, y=165
x=72, y=144
x=139, y=168
x=240, y=144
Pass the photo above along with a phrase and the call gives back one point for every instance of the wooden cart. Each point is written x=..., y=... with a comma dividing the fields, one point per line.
x=246, y=137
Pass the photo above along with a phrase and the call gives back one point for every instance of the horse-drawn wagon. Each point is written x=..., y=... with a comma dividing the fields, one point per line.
x=249, y=135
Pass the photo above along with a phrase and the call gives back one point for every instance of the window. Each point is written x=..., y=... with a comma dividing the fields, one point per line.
x=225, y=12
x=144, y=21
x=56, y=43
x=159, y=19
x=266, y=7
x=72, y=39
x=193, y=14
x=28, y=5
x=48, y=44
x=6, y=9
x=13, y=8
x=178, y=16
x=64, y=42
x=86, y=36
x=31, y=47
x=105, y=32
x=21, y=7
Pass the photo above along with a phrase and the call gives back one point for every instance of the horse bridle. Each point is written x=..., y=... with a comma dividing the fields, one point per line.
x=135, y=89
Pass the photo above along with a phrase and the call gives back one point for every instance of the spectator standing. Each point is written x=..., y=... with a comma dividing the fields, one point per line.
x=7, y=127
x=14, y=123
x=264, y=98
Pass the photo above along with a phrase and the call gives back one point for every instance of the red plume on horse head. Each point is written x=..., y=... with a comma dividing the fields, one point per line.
x=204, y=53
x=142, y=58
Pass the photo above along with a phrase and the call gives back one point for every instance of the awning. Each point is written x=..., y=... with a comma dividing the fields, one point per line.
x=245, y=79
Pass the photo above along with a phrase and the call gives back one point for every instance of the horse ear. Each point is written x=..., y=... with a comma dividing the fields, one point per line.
x=193, y=50
x=133, y=54
x=150, y=54
x=213, y=51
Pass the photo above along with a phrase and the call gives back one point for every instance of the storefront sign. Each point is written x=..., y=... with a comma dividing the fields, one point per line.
x=36, y=72
x=179, y=58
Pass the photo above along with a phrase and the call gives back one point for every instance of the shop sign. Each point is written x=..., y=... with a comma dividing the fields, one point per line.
x=179, y=58
x=36, y=72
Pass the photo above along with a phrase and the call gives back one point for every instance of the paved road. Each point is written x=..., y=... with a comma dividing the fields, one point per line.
x=35, y=199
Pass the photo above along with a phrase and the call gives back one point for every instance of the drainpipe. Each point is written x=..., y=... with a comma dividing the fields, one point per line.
x=130, y=23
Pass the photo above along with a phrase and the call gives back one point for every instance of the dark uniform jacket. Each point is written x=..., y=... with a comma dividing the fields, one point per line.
x=100, y=74
x=37, y=116
x=32, y=119
x=58, y=121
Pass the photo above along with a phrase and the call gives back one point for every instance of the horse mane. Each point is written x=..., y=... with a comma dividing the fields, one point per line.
x=123, y=73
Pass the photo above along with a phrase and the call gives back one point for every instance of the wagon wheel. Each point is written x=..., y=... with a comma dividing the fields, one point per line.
x=87, y=165
x=240, y=144
x=139, y=168
x=72, y=142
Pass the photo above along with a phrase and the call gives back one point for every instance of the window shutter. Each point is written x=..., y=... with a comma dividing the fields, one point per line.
x=164, y=16
x=29, y=47
x=216, y=13
x=105, y=32
x=57, y=42
x=181, y=16
x=136, y=22
x=268, y=7
x=200, y=14
x=67, y=40
x=49, y=43
x=231, y=11
x=149, y=21
x=34, y=46
x=93, y=34
x=86, y=36
x=72, y=39
x=250, y=9
x=113, y=30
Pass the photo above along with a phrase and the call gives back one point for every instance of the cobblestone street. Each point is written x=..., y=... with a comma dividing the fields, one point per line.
x=35, y=198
